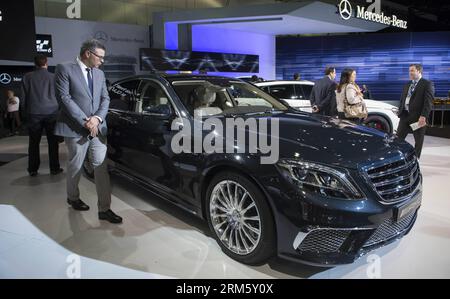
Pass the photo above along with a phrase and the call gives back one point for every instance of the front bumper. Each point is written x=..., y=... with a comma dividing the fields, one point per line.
x=326, y=232
x=336, y=246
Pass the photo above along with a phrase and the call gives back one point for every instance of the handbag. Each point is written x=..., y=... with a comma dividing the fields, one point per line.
x=358, y=110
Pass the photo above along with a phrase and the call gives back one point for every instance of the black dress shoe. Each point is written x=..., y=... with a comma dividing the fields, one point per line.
x=57, y=171
x=78, y=205
x=33, y=173
x=109, y=216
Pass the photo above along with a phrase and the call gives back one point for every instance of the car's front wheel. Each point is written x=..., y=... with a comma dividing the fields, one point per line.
x=240, y=218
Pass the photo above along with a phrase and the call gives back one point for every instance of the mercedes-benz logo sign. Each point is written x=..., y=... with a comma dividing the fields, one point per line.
x=101, y=36
x=5, y=78
x=345, y=9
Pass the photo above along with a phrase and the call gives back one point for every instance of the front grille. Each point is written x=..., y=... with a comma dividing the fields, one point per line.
x=390, y=229
x=395, y=180
x=324, y=241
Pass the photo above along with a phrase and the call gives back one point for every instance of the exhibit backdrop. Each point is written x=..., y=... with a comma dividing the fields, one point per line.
x=381, y=60
x=223, y=40
x=66, y=36
x=122, y=43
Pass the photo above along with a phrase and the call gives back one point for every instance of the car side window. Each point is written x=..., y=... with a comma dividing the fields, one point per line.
x=153, y=97
x=124, y=95
x=266, y=89
x=306, y=91
x=283, y=91
x=245, y=97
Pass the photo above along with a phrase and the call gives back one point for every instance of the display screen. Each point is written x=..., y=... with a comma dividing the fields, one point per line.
x=169, y=60
x=44, y=44
x=17, y=30
x=381, y=60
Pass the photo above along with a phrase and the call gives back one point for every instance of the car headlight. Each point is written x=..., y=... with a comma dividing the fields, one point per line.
x=320, y=179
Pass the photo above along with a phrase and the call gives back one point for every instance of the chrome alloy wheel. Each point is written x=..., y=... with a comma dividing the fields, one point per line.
x=235, y=217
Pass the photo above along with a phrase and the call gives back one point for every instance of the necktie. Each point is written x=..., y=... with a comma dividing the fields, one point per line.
x=412, y=88
x=90, y=81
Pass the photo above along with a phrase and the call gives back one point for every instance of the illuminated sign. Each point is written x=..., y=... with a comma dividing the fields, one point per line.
x=44, y=44
x=5, y=79
x=373, y=14
x=172, y=60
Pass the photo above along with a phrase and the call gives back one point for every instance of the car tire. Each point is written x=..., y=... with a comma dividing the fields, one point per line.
x=240, y=220
x=378, y=122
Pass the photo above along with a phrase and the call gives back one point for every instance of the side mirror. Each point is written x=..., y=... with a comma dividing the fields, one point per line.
x=160, y=110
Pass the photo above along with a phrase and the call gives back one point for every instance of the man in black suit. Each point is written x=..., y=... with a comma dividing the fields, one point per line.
x=42, y=109
x=415, y=106
x=323, y=94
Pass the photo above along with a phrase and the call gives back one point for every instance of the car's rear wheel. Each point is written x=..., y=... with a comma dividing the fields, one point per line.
x=240, y=218
x=378, y=122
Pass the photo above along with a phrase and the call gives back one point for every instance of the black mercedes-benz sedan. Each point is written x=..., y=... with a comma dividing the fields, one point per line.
x=327, y=192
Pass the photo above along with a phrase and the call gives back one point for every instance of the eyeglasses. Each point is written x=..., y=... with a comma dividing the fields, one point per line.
x=102, y=58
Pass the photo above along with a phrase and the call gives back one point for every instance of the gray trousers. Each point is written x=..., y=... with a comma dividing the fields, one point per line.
x=96, y=150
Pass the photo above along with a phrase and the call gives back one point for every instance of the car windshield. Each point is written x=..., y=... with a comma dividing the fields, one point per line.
x=203, y=98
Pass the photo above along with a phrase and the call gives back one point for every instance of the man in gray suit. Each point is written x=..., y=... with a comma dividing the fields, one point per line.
x=38, y=88
x=83, y=97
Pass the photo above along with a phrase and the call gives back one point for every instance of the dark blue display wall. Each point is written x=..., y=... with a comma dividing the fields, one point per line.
x=381, y=60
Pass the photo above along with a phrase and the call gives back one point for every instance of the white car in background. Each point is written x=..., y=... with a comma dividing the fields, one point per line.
x=382, y=116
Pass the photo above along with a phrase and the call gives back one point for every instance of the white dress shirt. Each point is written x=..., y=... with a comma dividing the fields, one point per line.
x=83, y=68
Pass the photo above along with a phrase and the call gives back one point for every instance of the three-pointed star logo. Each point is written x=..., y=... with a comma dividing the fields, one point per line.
x=345, y=9
x=101, y=36
x=5, y=78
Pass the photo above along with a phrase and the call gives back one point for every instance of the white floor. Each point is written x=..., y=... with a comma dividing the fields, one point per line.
x=40, y=237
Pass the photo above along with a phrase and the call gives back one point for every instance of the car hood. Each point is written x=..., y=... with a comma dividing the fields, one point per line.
x=314, y=138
